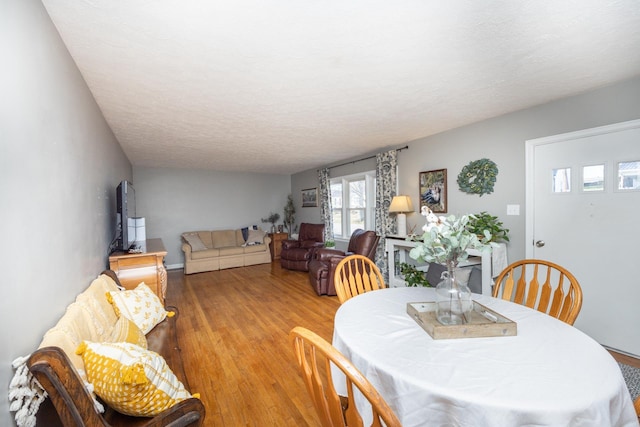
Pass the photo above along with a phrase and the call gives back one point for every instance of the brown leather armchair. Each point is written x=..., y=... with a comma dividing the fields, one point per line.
x=323, y=265
x=296, y=254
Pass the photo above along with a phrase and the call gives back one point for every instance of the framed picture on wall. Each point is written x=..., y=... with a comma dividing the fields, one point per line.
x=310, y=198
x=433, y=190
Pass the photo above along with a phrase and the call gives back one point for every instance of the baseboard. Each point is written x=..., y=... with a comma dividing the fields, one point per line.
x=174, y=266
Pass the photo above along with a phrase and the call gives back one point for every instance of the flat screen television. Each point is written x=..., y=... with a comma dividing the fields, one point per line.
x=125, y=216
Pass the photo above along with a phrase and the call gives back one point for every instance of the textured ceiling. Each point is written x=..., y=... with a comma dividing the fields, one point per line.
x=287, y=85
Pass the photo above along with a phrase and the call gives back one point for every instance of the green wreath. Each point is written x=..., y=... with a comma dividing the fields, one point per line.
x=478, y=177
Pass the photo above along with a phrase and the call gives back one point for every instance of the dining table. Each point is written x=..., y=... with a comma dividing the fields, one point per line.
x=548, y=374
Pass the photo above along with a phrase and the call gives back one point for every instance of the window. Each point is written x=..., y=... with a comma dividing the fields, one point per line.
x=353, y=203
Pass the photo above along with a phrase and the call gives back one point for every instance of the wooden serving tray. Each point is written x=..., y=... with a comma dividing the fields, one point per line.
x=483, y=322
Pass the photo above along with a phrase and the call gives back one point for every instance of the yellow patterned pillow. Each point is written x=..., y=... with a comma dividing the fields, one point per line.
x=125, y=330
x=130, y=379
x=140, y=305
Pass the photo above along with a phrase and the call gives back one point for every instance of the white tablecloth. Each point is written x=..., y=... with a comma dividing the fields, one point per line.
x=550, y=374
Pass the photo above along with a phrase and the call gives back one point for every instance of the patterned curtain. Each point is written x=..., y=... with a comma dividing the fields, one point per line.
x=325, y=203
x=386, y=184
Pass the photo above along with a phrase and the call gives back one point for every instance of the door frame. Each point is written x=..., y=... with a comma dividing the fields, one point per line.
x=530, y=145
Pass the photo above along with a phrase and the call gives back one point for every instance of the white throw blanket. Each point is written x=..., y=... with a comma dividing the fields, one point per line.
x=25, y=394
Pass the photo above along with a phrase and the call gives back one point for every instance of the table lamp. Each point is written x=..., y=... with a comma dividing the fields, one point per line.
x=401, y=205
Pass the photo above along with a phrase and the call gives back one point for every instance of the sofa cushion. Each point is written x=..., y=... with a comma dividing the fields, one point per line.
x=255, y=237
x=130, y=379
x=125, y=330
x=209, y=253
x=194, y=241
x=251, y=249
x=140, y=305
x=231, y=250
x=224, y=238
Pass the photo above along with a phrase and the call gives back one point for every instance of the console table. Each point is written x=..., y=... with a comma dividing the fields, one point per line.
x=146, y=266
x=399, y=244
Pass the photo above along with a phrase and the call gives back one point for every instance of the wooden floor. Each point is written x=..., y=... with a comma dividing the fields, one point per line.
x=233, y=331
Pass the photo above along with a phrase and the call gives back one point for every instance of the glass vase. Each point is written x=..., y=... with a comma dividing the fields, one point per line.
x=453, y=300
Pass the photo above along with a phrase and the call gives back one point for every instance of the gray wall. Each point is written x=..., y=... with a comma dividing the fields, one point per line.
x=177, y=200
x=59, y=166
x=502, y=140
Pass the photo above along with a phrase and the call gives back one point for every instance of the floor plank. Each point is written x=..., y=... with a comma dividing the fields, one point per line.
x=233, y=331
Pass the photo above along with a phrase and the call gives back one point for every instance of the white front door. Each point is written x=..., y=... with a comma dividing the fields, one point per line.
x=583, y=212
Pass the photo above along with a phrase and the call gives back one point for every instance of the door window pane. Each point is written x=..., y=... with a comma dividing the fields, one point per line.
x=629, y=175
x=593, y=178
x=562, y=180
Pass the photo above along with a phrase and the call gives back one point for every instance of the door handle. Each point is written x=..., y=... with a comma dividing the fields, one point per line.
x=540, y=243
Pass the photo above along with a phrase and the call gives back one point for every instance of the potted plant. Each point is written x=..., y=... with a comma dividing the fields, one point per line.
x=289, y=214
x=485, y=221
x=272, y=218
x=330, y=244
x=413, y=276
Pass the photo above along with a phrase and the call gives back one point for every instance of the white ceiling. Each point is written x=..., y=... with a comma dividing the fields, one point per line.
x=284, y=86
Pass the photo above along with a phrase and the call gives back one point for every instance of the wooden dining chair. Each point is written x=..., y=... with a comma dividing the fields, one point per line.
x=559, y=296
x=315, y=356
x=356, y=274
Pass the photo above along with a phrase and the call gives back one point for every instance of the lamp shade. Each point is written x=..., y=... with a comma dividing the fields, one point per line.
x=401, y=204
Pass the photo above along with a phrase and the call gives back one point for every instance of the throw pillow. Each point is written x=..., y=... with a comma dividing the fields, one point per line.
x=125, y=330
x=434, y=274
x=140, y=305
x=255, y=237
x=245, y=233
x=130, y=379
x=195, y=242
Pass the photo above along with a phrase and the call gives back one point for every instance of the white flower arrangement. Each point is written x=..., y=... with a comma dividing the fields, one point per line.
x=446, y=239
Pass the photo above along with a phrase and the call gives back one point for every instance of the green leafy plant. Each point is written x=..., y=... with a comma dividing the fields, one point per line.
x=485, y=221
x=330, y=244
x=413, y=276
x=272, y=218
x=446, y=239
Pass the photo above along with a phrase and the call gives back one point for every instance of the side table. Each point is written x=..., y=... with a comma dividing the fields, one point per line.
x=147, y=267
x=276, y=244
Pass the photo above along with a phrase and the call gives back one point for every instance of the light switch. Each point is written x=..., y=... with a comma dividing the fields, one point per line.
x=513, y=209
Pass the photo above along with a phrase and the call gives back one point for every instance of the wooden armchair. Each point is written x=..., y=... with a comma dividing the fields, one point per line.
x=559, y=296
x=315, y=356
x=355, y=275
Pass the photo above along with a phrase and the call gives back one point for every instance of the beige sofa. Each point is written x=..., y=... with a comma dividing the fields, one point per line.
x=220, y=249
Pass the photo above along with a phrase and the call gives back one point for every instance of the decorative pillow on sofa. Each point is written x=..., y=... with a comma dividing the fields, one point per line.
x=130, y=379
x=140, y=305
x=195, y=242
x=125, y=330
x=245, y=233
x=255, y=237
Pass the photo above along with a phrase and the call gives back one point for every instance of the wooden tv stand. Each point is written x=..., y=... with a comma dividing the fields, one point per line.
x=146, y=266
